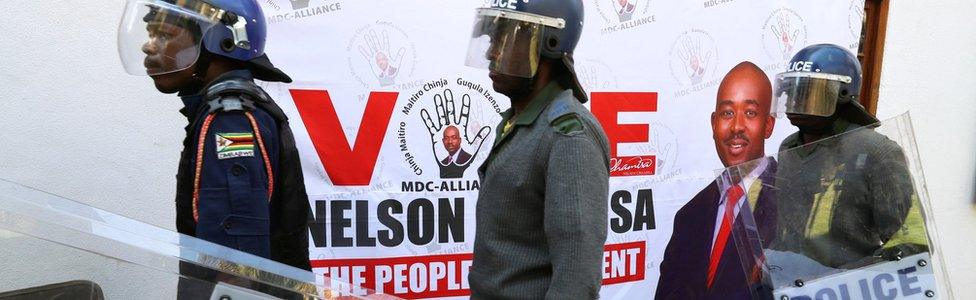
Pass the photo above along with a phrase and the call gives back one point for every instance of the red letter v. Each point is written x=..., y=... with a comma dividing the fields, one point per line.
x=346, y=165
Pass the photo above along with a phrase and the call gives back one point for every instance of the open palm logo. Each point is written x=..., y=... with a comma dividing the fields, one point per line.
x=696, y=58
x=693, y=57
x=783, y=32
x=595, y=75
x=452, y=143
x=664, y=147
x=787, y=34
x=588, y=77
x=617, y=12
x=385, y=64
x=625, y=9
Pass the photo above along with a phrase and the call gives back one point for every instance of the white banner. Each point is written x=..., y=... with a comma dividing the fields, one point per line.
x=389, y=217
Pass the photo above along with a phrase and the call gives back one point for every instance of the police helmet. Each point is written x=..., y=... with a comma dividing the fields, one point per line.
x=822, y=80
x=511, y=36
x=165, y=36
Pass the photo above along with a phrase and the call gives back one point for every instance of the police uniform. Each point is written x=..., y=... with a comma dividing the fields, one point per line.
x=542, y=207
x=239, y=182
x=847, y=201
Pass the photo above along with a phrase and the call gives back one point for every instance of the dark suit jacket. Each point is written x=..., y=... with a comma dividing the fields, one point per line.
x=455, y=169
x=684, y=271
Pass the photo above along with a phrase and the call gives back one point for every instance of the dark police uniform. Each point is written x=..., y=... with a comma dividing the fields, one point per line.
x=847, y=201
x=239, y=182
x=542, y=207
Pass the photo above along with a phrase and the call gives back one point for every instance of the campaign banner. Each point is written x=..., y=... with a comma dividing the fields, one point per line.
x=381, y=87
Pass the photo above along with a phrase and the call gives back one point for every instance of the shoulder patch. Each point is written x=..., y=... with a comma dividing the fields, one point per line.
x=568, y=123
x=235, y=94
x=230, y=103
x=234, y=144
x=563, y=116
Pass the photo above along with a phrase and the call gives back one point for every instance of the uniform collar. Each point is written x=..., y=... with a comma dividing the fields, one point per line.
x=191, y=102
x=840, y=126
x=535, y=106
x=530, y=113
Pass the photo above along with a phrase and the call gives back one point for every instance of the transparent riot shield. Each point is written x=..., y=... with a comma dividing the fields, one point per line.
x=846, y=217
x=55, y=248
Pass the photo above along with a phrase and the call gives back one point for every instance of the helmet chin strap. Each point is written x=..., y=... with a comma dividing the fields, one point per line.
x=199, y=73
x=825, y=130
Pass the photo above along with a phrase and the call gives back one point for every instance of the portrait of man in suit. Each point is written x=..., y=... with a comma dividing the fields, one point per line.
x=448, y=126
x=456, y=162
x=701, y=260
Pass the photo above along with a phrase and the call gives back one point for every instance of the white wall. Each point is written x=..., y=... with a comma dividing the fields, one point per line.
x=929, y=70
x=74, y=124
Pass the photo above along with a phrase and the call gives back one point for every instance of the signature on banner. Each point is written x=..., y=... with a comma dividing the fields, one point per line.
x=632, y=166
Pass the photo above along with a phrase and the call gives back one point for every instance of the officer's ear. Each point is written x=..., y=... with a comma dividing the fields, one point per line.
x=548, y=67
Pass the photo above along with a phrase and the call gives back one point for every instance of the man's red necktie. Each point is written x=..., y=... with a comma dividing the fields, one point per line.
x=732, y=196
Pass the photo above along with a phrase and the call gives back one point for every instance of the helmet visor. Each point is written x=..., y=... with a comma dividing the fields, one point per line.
x=508, y=42
x=157, y=37
x=807, y=93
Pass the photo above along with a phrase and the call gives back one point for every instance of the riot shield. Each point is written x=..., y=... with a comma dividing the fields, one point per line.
x=847, y=217
x=55, y=248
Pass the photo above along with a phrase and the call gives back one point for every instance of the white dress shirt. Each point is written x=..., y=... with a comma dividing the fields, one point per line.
x=724, y=183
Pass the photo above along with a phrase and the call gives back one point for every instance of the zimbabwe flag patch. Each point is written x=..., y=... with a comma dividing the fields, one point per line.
x=231, y=145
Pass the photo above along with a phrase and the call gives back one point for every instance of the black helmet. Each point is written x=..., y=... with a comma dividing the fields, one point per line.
x=510, y=36
x=822, y=80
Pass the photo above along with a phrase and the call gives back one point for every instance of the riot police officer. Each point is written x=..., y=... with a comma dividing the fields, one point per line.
x=239, y=182
x=845, y=190
x=542, y=207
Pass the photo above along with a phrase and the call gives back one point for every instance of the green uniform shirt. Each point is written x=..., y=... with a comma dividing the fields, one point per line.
x=542, y=207
x=845, y=200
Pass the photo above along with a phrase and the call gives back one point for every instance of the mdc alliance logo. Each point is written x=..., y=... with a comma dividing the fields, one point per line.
x=455, y=116
x=298, y=9
x=664, y=147
x=624, y=14
x=381, y=55
x=596, y=75
x=693, y=60
x=783, y=33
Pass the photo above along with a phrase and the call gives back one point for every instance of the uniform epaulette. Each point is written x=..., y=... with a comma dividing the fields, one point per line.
x=562, y=117
x=234, y=95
